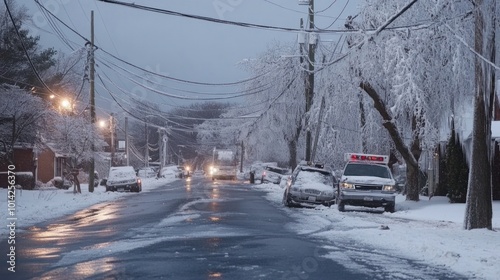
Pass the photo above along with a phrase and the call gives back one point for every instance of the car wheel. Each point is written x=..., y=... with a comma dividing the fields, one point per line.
x=286, y=200
x=341, y=206
x=390, y=208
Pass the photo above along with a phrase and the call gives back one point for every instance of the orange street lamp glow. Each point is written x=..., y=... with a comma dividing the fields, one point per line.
x=102, y=123
x=65, y=104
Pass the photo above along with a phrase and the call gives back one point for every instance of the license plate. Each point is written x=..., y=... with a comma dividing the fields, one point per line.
x=367, y=198
x=311, y=198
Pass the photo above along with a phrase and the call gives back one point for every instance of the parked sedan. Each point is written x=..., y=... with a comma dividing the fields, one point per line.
x=310, y=185
x=273, y=174
x=123, y=178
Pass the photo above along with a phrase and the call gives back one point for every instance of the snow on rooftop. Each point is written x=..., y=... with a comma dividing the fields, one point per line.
x=225, y=155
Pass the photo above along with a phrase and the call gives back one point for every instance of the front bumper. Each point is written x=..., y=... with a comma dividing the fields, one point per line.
x=309, y=199
x=122, y=187
x=271, y=179
x=367, y=199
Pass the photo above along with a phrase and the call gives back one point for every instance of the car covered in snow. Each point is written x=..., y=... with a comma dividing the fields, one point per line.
x=367, y=181
x=123, y=178
x=146, y=172
x=258, y=168
x=171, y=171
x=274, y=174
x=310, y=185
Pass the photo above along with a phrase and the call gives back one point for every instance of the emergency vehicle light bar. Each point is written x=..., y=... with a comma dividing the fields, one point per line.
x=366, y=158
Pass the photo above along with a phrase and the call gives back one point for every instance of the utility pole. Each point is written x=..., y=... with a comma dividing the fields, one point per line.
x=318, y=128
x=92, y=100
x=242, y=156
x=146, y=153
x=126, y=142
x=310, y=77
x=160, y=145
x=112, y=128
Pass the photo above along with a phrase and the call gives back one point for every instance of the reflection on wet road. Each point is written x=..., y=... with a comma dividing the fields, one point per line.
x=188, y=229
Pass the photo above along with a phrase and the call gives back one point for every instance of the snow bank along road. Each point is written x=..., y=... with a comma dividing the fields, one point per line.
x=197, y=229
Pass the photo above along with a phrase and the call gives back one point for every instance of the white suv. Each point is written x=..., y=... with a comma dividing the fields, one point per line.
x=367, y=181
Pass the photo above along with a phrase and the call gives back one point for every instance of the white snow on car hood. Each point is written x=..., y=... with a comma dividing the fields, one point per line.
x=367, y=180
x=311, y=180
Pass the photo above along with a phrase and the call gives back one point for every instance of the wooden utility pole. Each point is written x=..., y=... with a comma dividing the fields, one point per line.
x=146, y=153
x=310, y=77
x=112, y=128
x=242, y=156
x=160, y=145
x=92, y=101
x=126, y=142
x=318, y=128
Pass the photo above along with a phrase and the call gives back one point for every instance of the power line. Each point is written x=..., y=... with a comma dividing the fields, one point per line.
x=343, y=9
x=215, y=20
x=176, y=89
x=329, y=6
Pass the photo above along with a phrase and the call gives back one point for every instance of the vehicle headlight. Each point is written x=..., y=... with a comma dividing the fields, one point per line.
x=327, y=193
x=389, y=188
x=347, y=185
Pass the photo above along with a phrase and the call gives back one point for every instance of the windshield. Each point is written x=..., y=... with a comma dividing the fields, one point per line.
x=374, y=170
x=307, y=176
x=121, y=174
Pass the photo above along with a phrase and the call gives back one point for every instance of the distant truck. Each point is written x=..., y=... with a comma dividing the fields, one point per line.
x=225, y=165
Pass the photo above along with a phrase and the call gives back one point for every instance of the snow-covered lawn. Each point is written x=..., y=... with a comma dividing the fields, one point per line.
x=47, y=203
x=429, y=231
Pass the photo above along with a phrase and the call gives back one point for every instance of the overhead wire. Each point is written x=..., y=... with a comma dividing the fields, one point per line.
x=105, y=62
x=106, y=28
x=183, y=97
x=215, y=20
x=325, y=9
x=336, y=19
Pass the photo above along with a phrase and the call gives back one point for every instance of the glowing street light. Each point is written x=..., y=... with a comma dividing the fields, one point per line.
x=102, y=124
x=66, y=104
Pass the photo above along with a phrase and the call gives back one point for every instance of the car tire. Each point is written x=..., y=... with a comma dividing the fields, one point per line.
x=390, y=208
x=286, y=200
x=341, y=206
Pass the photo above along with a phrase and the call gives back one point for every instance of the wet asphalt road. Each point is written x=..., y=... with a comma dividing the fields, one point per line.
x=188, y=229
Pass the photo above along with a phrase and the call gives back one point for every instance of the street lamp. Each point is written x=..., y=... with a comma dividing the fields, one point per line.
x=103, y=124
x=66, y=105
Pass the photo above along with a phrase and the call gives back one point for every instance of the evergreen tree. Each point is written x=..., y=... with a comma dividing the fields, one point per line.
x=457, y=171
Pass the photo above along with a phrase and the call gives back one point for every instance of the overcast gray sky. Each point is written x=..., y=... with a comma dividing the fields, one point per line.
x=182, y=47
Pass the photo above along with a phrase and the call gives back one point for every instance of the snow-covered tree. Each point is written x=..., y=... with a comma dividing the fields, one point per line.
x=276, y=104
x=398, y=62
x=479, y=206
x=74, y=135
x=22, y=117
